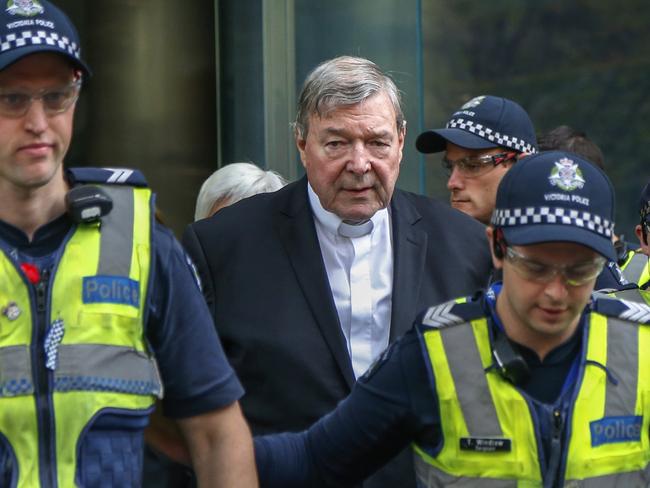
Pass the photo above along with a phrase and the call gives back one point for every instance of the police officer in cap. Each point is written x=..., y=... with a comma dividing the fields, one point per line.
x=99, y=309
x=635, y=268
x=529, y=383
x=481, y=141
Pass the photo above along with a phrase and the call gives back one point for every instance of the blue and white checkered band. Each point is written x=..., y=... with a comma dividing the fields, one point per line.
x=645, y=211
x=32, y=38
x=493, y=136
x=513, y=217
x=52, y=342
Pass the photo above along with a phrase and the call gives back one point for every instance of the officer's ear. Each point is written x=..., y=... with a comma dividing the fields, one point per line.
x=495, y=246
x=638, y=230
x=643, y=238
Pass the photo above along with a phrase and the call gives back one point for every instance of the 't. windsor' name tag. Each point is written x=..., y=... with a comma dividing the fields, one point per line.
x=485, y=444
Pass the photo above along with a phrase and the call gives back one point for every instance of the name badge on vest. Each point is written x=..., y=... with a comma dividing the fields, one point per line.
x=616, y=429
x=111, y=289
x=485, y=444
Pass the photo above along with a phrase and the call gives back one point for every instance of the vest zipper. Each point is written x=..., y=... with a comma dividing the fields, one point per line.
x=41, y=293
x=47, y=441
x=556, y=449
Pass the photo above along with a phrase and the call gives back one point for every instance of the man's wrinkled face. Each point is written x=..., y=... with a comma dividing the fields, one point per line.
x=351, y=155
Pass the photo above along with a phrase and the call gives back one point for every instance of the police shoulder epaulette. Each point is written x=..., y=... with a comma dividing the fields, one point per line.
x=106, y=176
x=450, y=313
x=622, y=309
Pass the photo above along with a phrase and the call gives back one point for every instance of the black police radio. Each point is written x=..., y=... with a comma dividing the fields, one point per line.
x=87, y=203
x=510, y=365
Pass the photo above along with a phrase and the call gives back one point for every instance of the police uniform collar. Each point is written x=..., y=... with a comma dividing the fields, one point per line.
x=47, y=238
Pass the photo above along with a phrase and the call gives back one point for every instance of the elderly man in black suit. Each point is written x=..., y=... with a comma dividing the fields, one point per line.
x=309, y=284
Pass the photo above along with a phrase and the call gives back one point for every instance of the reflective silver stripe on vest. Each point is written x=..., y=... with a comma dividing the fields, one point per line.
x=633, y=295
x=15, y=371
x=467, y=372
x=428, y=476
x=635, y=267
x=90, y=367
x=619, y=480
x=622, y=345
x=117, y=233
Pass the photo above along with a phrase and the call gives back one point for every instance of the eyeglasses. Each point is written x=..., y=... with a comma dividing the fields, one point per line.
x=574, y=274
x=474, y=166
x=15, y=103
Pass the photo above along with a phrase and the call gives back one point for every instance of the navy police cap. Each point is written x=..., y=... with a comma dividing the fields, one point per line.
x=556, y=196
x=481, y=123
x=34, y=26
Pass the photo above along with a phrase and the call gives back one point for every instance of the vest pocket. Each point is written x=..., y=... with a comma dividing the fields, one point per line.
x=8, y=464
x=110, y=449
x=611, y=446
x=112, y=327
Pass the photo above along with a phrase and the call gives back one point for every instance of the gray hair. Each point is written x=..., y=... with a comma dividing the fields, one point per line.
x=233, y=183
x=345, y=80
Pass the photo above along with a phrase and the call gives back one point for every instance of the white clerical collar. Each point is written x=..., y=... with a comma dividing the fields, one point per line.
x=330, y=221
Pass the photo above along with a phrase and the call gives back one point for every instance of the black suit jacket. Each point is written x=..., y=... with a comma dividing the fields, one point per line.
x=266, y=285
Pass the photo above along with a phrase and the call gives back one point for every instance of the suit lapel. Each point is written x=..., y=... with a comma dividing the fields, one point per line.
x=295, y=226
x=409, y=250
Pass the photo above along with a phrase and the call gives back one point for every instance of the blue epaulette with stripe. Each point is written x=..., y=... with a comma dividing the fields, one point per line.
x=450, y=313
x=106, y=176
x=622, y=309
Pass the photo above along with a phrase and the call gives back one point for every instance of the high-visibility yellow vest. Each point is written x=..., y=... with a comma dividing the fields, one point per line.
x=636, y=268
x=490, y=433
x=95, y=364
x=633, y=295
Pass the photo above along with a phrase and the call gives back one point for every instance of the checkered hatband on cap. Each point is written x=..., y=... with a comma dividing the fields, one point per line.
x=515, y=217
x=644, y=203
x=497, y=138
x=33, y=26
x=37, y=38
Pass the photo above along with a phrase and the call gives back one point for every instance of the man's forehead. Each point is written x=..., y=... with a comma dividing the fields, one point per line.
x=557, y=249
x=38, y=65
x=382, y=130
x=378, y=102
x=344, y=118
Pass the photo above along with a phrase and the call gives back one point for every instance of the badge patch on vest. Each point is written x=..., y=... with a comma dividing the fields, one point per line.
x=616, y=429
x=111, y=289
x=485, y=444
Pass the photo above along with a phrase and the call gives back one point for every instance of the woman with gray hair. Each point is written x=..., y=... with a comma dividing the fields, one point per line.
x=232, y=183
